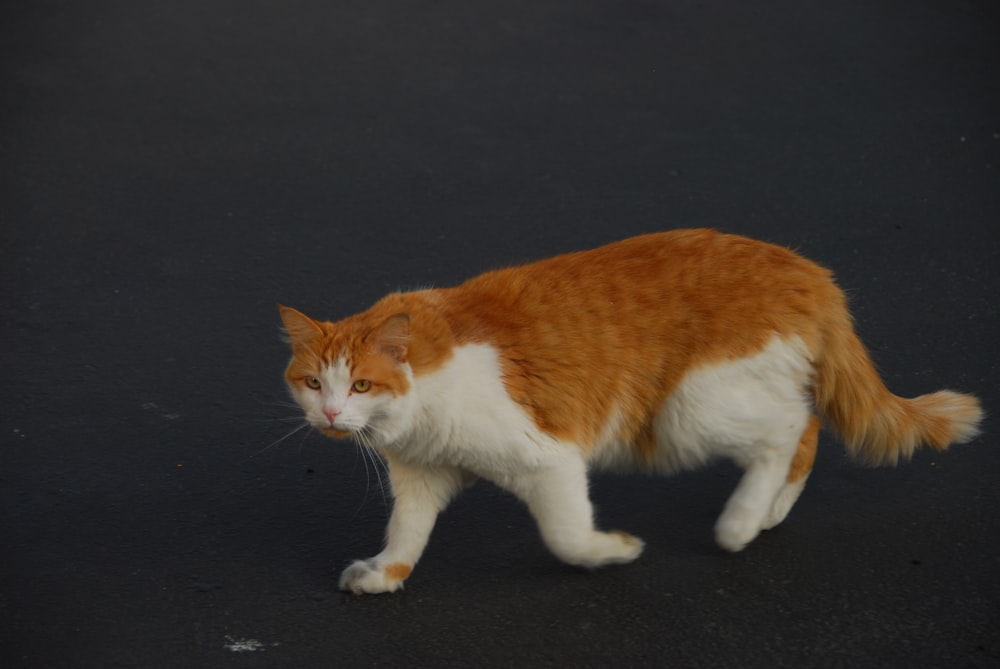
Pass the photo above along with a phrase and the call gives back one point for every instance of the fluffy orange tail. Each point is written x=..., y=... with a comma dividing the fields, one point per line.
x=879, y=427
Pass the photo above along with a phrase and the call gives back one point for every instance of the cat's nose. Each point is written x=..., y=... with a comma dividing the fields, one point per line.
x=331, y=414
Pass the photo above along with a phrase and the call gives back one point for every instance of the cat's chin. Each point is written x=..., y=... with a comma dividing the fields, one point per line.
x=334, y=433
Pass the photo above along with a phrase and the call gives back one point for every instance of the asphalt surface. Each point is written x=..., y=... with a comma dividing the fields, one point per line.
x=172, y=170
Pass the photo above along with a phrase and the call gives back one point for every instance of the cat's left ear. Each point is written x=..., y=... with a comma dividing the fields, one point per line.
x=392, y=337
x=300, y=328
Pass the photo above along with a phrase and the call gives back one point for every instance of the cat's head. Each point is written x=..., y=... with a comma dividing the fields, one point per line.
x=352, y=377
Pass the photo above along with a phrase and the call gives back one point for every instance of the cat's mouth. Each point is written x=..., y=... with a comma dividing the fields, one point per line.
x=335, y=433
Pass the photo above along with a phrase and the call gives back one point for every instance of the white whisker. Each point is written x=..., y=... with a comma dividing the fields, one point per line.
x=366, y=443
x=368, y=475
x=279, y=440
x=283, y=404
x=282, y=419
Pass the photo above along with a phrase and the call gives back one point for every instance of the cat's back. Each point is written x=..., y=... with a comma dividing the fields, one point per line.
x=691, y=277
x=622, y=324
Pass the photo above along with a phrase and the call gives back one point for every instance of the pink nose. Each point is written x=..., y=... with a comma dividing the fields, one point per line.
x=331, y=414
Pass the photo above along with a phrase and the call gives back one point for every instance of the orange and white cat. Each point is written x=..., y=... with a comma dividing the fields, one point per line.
x=659, y=352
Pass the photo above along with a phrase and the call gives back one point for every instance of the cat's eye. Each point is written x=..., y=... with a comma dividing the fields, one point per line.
x=362, y=386
x=313, y=382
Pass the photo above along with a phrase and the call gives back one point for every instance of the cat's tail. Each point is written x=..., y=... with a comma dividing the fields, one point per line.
x=877, y=426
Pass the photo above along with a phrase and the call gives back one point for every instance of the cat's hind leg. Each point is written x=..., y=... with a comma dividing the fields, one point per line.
x=557, y=496
x=764, y=494
x=798, y=473
x=753, y=410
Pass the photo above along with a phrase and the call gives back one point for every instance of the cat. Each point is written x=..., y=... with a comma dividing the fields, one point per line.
x=660, y=352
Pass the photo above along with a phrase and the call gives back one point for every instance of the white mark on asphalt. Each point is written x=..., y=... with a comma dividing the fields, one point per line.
x=245, y=645
x=152, y=406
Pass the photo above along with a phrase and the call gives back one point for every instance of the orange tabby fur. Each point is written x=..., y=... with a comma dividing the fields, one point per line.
x=636, y=345
x=632, y=318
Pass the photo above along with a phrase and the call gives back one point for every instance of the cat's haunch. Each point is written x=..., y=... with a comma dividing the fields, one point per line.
x=659, y=352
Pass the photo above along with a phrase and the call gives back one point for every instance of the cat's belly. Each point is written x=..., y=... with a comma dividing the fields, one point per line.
x=730, y=409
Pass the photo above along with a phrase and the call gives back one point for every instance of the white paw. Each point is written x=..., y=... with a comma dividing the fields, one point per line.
x=603, y=548
x=627, y=547
x=736, y=528
x=365, y=577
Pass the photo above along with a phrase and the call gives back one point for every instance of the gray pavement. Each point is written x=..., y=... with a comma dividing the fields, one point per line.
x=171, y=171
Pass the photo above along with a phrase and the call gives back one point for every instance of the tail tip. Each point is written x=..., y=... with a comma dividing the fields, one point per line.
x=964, y=414
x=938, y=420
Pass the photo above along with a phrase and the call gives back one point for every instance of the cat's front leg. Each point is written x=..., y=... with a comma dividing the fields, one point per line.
x=557, y=495
x=420, y=494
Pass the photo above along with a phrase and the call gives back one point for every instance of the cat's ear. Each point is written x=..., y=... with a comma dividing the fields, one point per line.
x=300, y=328
x=392, y=337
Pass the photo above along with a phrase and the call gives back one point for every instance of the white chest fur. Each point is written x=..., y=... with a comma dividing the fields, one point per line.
x=464, y=417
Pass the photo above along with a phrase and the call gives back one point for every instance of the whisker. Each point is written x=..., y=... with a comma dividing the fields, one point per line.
x=378, y=477
x=361, y=450
x=278, y=406
x=377, y=462
x=279, y=440
x=277, y=402
x=302, y=440
x=366, y=445
x=282, y=419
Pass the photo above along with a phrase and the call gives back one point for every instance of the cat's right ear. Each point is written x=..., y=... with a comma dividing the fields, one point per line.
x=392, y=337
x=300, y=328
